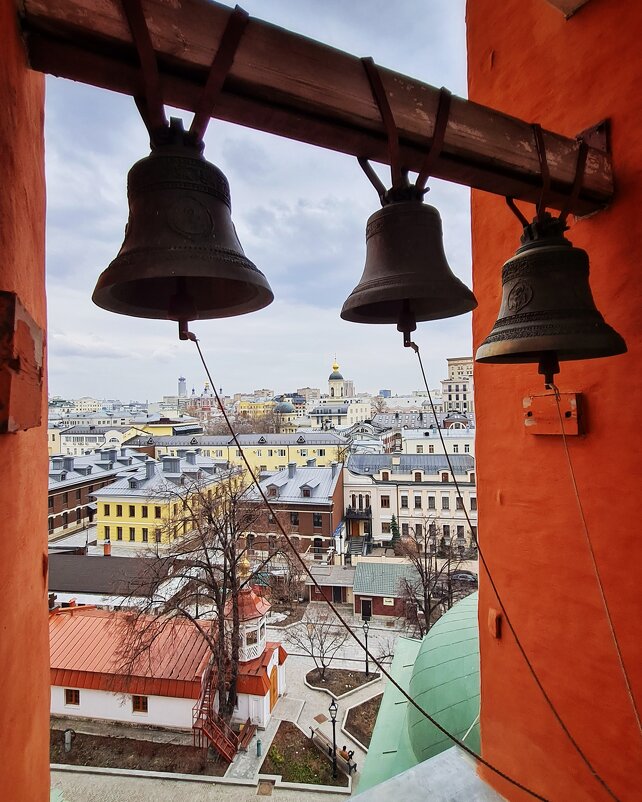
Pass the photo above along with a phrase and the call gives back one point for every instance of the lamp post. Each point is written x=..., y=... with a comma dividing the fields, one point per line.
x=366, y=627
x=333, y=716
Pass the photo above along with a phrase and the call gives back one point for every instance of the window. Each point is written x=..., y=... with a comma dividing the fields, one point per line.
x=145, y=535
x=385, y=502
x=271, y=543
x=418, y=530
x=385, y=528
x=107, y=531
x=144, y=511
x=420, y=449
x=321, y=452
x=251, y=637
x=316, y=519
x=460, y=532
x=132, y=511
x=51, y=524
x=272, y=491
x=459, y=503
x=404, y=530
x=119, y=533
x=385, y=476
x=106, y=509
x=404, y=502
x=445, y=503
x=132, y=533
x=446, y=531
x=175, y=509
x=455, y=449
x=466, y=448
x=294, y=518
x=417, y=476
x=306, y=492
x=303, y=452
x=139, y=704
x=157, y=512
x=431, y=503
x=444, y=476
x=417, y=502
x=72, y=696
x=473, y=529
x=78, y=516
x=65, y=497
x=473, y=502
x=431, y=449
x=157, y=535
x=65, y=520
x=78, y=495
x=119, y=510
x=51, y=502
x=472, y=478
x=281, y=452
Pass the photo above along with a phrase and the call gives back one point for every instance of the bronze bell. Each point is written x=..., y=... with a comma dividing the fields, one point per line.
x=406, y=277
x=181, y=258
x=547, y=312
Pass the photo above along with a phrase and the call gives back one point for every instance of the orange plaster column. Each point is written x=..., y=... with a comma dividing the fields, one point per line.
x=524, y=58
x=24, y=648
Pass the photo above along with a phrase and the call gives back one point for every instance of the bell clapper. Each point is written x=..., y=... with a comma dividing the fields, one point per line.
x=406, y=324
x=548, y=367
x=184, y=333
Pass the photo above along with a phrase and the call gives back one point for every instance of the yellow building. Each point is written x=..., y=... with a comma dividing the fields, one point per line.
x=255, y=408
x=264, y=452
x=147, y=506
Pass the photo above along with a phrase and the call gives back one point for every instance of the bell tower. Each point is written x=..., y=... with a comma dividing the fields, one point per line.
x=336, y=386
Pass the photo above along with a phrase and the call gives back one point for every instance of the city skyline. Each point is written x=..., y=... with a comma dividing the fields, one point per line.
x=300, y=213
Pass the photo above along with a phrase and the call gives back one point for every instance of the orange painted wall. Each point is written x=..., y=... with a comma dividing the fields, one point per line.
x=24, y=648
x=527, y=60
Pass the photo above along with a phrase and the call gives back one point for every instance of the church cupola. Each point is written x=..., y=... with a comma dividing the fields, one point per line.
x=335, y=382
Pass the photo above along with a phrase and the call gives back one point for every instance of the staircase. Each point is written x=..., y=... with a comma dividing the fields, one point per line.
x=356, y=545
x=209, y=728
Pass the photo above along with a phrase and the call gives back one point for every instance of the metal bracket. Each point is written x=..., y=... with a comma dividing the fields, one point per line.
x=541, y=415
x=598, y=136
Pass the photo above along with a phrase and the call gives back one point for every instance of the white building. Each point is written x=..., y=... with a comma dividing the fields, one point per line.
x=428, y=441
x=417, y=489
x=457, y=390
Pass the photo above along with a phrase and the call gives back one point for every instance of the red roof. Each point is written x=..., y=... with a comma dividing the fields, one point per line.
x=250, y=605
x=84, y=643
x=253, y=677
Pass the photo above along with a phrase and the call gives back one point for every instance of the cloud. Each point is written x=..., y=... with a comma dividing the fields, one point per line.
x=300, y=213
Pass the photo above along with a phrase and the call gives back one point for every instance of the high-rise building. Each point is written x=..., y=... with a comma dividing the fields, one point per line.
x=182, y=387
x=457, y=389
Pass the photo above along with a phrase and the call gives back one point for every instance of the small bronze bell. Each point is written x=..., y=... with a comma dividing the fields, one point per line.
x=547, y=312
x=406, y=276
x=181, y=259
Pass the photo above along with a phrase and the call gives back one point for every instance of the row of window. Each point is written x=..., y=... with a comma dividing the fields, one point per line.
x=65, y=496
x=431, y=449
x=418, y=475
x=132, y=534
x=65, y=520
x=132, y=511
x=432, y=502
x=418, y=530
x=139, y=703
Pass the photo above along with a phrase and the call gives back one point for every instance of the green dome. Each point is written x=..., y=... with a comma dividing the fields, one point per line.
x=445, y=682
x=284, y=407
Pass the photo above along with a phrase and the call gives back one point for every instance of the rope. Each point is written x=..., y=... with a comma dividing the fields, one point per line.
x=596, y=570
x=340, y=618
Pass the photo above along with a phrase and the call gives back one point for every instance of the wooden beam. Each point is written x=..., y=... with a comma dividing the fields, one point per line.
x=298, y=88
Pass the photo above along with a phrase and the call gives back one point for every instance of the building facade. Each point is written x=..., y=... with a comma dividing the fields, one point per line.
x=457, y=391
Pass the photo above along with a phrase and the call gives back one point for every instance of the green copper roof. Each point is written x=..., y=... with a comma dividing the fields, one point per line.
x=441, y=673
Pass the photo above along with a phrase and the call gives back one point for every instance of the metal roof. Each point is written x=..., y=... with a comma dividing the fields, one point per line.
x=90, y=468
x=84, y=644
x=382, y=578
x=370, y=464
x=441, y=673
x=417, y=420
x=165, y=481
x=113, y=576
x=298, y=438
x=320, y=481
x=332, y=575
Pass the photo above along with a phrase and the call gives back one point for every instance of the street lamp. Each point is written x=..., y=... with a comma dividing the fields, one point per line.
x=333, y=716
x=366, y=627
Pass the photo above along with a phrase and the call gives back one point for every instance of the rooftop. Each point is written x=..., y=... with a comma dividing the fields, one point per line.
x=371, y=464
x=308, y=438
x=320, y=483
x=77, y=573
x=381, y=578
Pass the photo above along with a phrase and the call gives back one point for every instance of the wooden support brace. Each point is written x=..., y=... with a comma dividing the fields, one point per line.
x=298, y=88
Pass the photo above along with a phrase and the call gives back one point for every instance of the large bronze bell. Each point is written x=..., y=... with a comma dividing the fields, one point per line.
x=181, y=258
x=547, y=311
x=406, y=276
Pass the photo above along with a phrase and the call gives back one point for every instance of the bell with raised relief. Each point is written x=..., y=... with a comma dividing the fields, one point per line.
x=547, y=312
x=181, y=258
x=406, y=276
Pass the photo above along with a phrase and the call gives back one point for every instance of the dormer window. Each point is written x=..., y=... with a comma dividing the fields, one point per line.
x=385, y=476
x=306, y=492
x=273, y=491
x=133, y=483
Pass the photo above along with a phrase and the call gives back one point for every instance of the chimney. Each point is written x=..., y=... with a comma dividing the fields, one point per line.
x=112, y=454
x=57, y=463
x=150, y=467
x=311, y=463
x=291, y=470
x=171, y=464
x=190, y=456
x=334, y=466
x=107, y=549
x=68, y=463
x=52, y=601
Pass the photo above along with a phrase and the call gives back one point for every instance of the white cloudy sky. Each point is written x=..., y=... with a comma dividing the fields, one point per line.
x=300, y=213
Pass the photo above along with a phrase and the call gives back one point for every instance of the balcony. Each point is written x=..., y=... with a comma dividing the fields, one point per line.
x=357, y=513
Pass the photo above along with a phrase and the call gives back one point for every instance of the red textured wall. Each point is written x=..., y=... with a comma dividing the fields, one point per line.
x=379, y=608
x=525, y=59
x=24, y=648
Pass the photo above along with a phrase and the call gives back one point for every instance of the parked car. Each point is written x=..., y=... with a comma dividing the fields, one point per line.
x=463, y=576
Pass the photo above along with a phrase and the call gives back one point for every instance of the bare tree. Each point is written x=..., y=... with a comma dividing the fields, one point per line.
x=320, y=637
x=197, y=578
x=379, y=404
x=428, y=590
x=288, y=577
